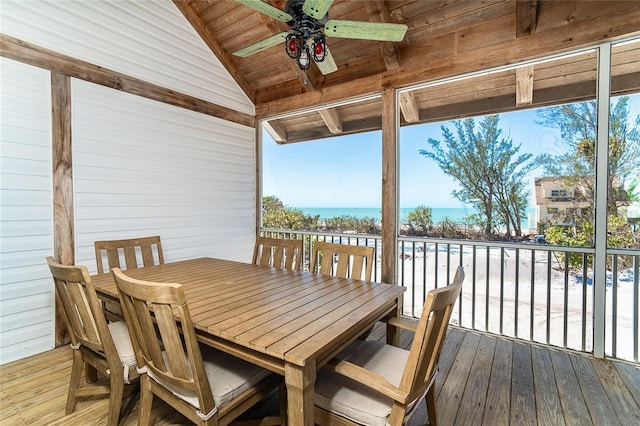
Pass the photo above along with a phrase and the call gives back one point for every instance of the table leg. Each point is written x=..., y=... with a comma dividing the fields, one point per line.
x=393, y=334
x=300, y=383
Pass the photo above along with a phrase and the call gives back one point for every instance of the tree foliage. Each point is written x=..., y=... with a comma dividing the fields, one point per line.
x=276, y=215
x=490, y=170
x=619, y=235
x=420, y=220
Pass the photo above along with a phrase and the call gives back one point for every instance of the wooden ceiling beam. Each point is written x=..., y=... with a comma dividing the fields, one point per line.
x=409, y=107
x=331, y=118
x=378, y=12
x=192, y=17
x=526, y=17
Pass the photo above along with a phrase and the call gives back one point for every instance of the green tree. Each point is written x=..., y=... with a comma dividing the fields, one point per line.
x=489, y=169
x=278, y=216
x=420, y=219
x=619, y=235
x=577, y=124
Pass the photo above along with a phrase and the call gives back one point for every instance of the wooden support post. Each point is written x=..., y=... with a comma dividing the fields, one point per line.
x=63, y=234
x=389, y=185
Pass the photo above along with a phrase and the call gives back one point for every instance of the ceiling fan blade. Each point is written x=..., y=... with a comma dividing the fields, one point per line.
x=267, y=9
x=261, y=45
x=365, y=30
x=316, y=8
x=328, y=65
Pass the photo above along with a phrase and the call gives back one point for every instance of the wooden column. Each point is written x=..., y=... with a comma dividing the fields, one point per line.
x=389, y=186
x=63, y=232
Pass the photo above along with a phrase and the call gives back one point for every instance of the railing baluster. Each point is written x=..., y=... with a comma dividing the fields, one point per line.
x=473, y=290
x=565, y=318
x=614, y=306
x=486, y=294
x=548, y=338
x=532, y=303
x=501, y=289
x=585, y=264
x=517, y=293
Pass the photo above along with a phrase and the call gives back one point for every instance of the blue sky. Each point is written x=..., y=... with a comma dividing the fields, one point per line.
x=346, y=171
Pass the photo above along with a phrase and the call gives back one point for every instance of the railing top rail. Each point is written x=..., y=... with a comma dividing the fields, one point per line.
x=324, y=233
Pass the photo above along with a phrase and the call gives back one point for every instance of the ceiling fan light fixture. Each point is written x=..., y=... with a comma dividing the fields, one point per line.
x=293, y=44
x=319, y=47
x=304, y=60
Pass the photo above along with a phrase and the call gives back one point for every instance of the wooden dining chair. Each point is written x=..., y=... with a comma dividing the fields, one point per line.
x=372, y=383
x=97, y=346
x=278, y=253
x=206, y=385
x=126, y=254
x=352, y=261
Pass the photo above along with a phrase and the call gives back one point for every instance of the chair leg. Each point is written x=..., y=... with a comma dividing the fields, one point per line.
x=116, y=382
x=74, y=382
x=431, y=407
x=146, y=400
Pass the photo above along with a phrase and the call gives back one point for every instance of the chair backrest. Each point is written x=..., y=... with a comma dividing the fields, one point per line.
x=430, y=336
x=278, y=253
x=129, y=250
x=157, y=316
x=352, y=261
x=82, y=310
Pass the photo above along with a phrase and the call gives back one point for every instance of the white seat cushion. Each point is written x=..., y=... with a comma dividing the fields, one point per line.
x=228, y=377
x=350, y=399
x=122, y=341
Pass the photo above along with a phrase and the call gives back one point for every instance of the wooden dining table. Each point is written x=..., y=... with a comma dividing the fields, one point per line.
x=290, y=322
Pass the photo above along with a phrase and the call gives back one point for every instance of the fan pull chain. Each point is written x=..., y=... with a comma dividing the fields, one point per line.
x=305, y=80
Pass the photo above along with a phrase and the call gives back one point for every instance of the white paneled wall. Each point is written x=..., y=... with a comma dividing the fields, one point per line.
x=146, y=168
x=146, y=39
x=26, y=212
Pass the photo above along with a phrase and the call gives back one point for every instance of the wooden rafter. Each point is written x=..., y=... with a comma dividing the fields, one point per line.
x=331, y=118
x=409, y=107
x=524, y=85
x=275, y=131
x=378, y=12
x=199, y=26
x=526, y=17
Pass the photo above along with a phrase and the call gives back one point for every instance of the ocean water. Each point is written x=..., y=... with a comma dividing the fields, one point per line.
x=438, y=213
x=455, y=214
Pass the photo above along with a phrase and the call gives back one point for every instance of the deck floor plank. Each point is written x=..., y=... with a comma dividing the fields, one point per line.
x=620, y=396
x=548, y=408
x=483, y=379
x=456, y=381
x=497, y=406
x=523, y=406
x=598, y=402
x=573, y=404
x=474, y=398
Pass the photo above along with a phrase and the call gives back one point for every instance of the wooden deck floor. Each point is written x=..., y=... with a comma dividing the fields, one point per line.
x=482, y=380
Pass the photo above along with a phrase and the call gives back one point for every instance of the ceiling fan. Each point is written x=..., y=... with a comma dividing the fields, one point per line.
x=310, y=25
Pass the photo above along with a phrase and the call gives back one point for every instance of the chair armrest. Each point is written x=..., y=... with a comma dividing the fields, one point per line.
x=367, y=378
x=404, y=323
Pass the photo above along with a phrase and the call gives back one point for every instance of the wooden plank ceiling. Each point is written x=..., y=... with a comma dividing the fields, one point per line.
x=445, y=38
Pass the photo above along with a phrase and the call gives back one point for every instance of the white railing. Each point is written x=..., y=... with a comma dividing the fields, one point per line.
x=534, y=292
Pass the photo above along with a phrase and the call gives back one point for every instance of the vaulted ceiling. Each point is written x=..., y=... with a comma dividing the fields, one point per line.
x=445, y=38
